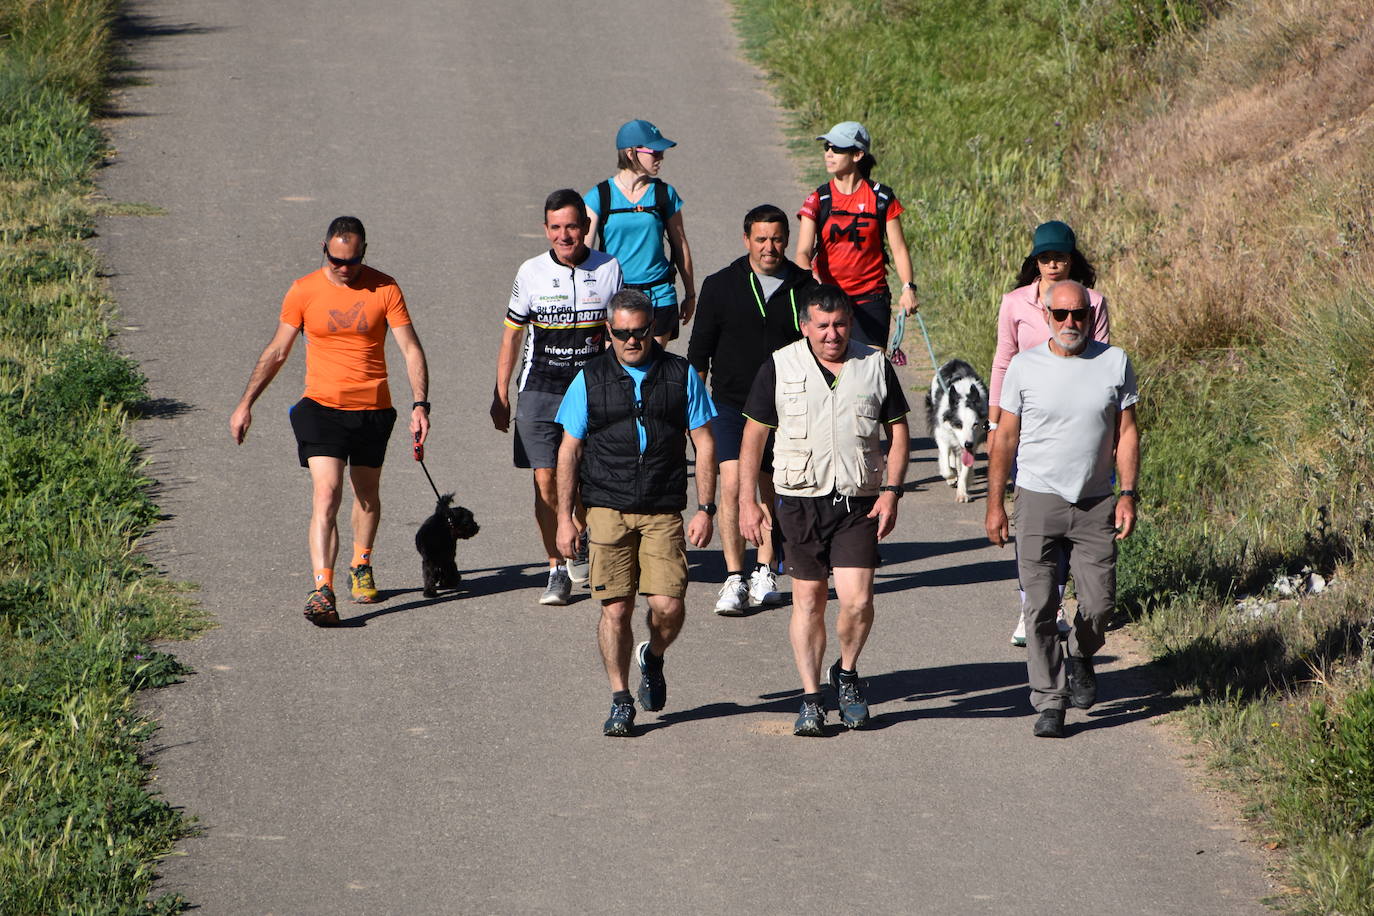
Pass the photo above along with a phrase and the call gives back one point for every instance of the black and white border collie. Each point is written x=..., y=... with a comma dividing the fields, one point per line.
x=957, y=418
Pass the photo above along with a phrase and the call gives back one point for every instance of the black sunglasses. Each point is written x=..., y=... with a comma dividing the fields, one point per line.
x=341, y=262
x=623, y=334
x=1079, y=314
x=832, y=148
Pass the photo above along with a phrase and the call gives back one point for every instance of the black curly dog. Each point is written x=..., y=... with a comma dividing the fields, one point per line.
x=437, y=541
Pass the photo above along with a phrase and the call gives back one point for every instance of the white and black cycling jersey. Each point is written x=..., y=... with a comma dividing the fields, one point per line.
x=564, y=311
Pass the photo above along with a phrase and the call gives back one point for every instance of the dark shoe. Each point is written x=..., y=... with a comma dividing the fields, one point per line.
x=1050, y=724
x=849, y=697
x=653, y=689
x=320, y=609
x=1082, y=683
x=811, y=722
x=621, y=724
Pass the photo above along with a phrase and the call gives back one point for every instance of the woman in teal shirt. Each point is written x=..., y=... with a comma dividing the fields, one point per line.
x=632, y=213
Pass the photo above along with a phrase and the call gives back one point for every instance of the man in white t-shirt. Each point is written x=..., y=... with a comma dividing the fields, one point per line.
x=1068, y=411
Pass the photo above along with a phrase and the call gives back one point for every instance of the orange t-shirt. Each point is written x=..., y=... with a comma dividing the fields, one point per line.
x=345, y=336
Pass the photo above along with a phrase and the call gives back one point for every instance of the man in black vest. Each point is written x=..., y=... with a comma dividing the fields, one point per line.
x=626, y=418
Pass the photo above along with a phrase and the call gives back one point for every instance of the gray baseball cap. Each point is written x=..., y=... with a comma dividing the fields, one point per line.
x=846, y=134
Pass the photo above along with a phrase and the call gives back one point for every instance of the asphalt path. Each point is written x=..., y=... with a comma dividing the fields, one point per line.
x=445, y=756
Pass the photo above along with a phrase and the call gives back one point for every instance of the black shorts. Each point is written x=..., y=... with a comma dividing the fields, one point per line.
x=727, y=427
x=872, y=318
x=359, y=437
x=666, y=321
x=825, y=532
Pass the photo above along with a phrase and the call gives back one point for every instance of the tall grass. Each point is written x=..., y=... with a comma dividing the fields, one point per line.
x=79, y=831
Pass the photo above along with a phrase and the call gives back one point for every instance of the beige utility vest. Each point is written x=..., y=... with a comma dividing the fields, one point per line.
x=827, y=439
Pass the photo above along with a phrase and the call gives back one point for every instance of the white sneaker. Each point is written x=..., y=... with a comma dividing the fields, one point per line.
x=763, y=588
x=734, y=596
x=559, y=589
x=1018, y=636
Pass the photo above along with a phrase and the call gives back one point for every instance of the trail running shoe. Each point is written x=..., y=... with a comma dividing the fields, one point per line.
x=653, y=688
x=811, y=722
x=763, y=588
x=362, y=586
x=579, y=566
x=621, y=723
x=734, y=596
x=320, y=609
x=850, y=699
x=559, y=589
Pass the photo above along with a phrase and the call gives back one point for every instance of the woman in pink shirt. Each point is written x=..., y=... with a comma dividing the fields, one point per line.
x=1021, y=325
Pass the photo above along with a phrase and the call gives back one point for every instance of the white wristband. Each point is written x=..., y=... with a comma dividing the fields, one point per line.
x=992, y=425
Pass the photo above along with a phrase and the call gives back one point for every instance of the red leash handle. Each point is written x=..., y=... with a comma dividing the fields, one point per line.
x=419, y=449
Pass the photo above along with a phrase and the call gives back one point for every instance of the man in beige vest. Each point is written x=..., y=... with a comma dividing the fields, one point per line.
x=827, y=398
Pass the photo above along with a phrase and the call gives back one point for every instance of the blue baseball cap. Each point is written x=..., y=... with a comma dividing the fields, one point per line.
x=641, y=133
x=846, y=134
x=1053, y=236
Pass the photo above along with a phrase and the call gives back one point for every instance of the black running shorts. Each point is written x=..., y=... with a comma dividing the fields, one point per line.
x=359, y=437
x=822, y=533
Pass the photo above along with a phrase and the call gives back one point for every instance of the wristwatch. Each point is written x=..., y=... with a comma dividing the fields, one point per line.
x=891, y=489
x=1131, y=493
x=424, y=404
x=708, y=508
x=911, y=285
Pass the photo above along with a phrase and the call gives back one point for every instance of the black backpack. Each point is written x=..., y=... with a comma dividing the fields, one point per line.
x=660, y=207
x=881, y=192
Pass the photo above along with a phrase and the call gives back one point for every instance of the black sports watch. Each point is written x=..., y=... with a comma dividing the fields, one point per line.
x=1133, y=494
x=891, y=488
x=708, y=508
x=424, y=404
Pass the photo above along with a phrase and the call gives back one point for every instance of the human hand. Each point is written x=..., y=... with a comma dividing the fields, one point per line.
x=699, y=529
x=996, y=524
x=885, y=511
x=1125, y=517
x=239, y=421
x=500, y=413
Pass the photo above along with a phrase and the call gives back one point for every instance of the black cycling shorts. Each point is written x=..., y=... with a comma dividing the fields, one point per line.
x=359, y=437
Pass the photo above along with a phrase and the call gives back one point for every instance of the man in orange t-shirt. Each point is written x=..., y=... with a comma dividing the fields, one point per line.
x=345, y=417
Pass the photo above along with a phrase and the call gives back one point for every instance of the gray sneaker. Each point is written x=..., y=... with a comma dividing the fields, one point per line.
x=811, y=722
x=559, y=589
x=579, y=566
x=763, y=588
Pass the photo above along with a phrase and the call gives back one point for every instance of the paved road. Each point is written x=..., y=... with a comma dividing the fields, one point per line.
x=445, y=756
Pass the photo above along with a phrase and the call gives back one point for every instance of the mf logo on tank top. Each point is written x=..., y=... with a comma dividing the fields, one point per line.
x=853, y=233
x=339, y=320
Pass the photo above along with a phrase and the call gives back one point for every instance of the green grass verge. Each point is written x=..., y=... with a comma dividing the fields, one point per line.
x=79, y=831
x=989, y=117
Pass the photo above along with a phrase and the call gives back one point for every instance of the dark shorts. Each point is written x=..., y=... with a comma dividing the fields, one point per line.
x=666, y=321
x=537, y=436
x=359, y=437
x=872, y=318
x=728, y=429
x=825, y=532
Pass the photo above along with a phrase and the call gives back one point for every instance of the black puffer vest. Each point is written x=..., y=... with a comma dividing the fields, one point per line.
x=614, y=474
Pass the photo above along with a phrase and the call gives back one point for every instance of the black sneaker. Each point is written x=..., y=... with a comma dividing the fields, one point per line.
x=621, y=723
x=811, y=722
x=653, y=689
x=1050, y=724
x=1082, y=683
x=849, y=698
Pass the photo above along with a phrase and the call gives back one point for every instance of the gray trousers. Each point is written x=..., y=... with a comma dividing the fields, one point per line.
x=1045, y=525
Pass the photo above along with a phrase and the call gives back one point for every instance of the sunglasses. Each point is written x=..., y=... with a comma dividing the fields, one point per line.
x=1057, y=257
x=655, y=153
x=341, y=262
x=832, y=148
x=1079, y=314
x=623, y=334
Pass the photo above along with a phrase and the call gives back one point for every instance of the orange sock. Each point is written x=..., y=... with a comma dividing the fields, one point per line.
x=362, y=556
x=324, y=577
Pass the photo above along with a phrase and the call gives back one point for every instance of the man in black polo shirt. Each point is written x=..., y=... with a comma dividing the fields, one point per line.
x=744, y=313
x=626, y=418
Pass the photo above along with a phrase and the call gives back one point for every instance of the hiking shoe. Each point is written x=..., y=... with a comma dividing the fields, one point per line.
x=1082, y=683
x=653, y=688
x=811, y=722
x=559, y=589
x=579, y=566
x=850, y=699
x=763, y=588
x=361, y=585
x=1050, y=724
x=320, y=609
x=734, y=596
x=621, y=723
x=1018, y=635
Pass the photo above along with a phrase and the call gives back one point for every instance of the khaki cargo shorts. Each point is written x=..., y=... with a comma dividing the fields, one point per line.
x=633, y=553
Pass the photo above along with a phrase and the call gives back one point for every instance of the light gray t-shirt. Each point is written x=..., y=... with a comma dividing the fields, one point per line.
x=1068, y=407
x=770, y=285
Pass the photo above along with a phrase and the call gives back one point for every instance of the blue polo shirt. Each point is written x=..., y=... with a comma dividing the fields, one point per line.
x=572, y=413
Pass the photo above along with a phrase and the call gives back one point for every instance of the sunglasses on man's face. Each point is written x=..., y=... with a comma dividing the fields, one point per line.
x=624, y=334
x=1079, y=314
x=342, y=262
x=832, y=148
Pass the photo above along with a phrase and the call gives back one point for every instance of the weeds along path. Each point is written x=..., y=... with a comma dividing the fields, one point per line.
x=441, y=757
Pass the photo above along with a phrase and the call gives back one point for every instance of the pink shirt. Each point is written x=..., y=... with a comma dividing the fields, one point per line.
x=1021, y=325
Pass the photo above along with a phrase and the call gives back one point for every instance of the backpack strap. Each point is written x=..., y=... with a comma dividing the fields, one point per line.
x=822, y=207
x=603, y=199
x=662, y=207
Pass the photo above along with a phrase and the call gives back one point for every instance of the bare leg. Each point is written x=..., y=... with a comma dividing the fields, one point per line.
x=854, y=587
x=665, y=622
x=807, y=630
x=615, y=638
x=769, y=496
x=326, y=478
x=546, y=511
x=367, y=504
x=731, y=541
